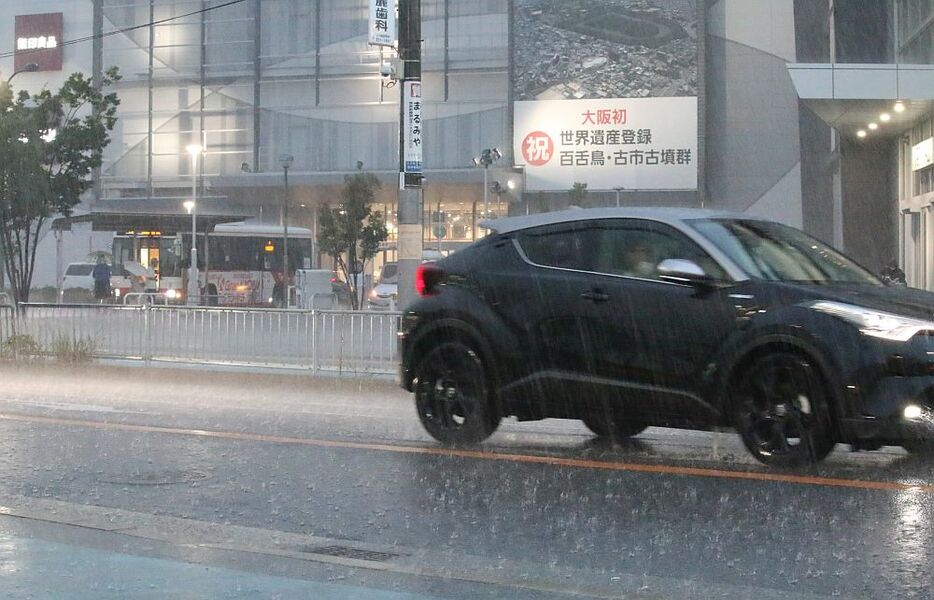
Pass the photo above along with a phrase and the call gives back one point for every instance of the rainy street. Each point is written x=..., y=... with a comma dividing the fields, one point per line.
x=125, y=481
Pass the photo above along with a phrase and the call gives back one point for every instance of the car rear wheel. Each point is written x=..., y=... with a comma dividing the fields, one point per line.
x=781, y=412
x=452, y=395
x=612, y=426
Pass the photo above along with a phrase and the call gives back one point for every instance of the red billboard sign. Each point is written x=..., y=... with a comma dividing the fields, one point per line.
x=39, y=40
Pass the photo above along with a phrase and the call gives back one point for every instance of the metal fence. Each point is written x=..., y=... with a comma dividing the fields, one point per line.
x=320, y=340
x=7, y=324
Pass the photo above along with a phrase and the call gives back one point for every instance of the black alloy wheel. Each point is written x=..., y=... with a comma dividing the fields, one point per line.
x=452, y=395
x=781, y=411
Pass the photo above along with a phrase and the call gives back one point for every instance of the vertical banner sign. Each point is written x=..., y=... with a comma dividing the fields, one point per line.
x=412, y=101
x=383, y=23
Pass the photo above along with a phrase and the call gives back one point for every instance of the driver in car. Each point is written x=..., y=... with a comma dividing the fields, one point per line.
x=638, y=260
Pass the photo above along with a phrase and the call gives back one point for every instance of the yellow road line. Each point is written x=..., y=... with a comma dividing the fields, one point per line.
x=580, y=463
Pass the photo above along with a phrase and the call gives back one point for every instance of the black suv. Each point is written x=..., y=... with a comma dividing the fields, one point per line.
x=626, y=318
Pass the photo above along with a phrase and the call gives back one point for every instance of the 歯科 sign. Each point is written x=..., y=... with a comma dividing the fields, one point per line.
x=634, y=143
x=382, y=23
x=38, y=39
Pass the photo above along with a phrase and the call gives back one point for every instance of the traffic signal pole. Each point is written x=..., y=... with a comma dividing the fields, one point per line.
x=410, y=183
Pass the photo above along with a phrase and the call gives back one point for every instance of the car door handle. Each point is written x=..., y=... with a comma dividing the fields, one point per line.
x=595, y=296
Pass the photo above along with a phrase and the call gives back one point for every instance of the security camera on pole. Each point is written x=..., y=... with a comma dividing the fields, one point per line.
x=407, y=69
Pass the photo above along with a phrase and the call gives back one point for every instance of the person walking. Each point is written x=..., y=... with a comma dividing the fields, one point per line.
x=101, y=275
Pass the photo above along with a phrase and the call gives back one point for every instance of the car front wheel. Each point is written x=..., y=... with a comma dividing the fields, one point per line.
x=780, y=411
x=452, y=395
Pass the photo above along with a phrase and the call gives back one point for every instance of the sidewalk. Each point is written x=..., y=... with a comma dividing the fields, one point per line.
x=38, y=569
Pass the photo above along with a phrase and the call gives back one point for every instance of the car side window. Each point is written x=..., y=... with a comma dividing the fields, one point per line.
x=636, y=249
x=567, y=246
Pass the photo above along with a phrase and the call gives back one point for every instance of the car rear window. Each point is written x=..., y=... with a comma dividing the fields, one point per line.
x=565, y=247
x=79, y=270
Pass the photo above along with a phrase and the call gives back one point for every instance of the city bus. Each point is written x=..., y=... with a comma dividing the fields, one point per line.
x=241, y=266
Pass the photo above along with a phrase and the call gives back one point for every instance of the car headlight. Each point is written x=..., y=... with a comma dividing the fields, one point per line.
x=171, y=294
x=875, y=322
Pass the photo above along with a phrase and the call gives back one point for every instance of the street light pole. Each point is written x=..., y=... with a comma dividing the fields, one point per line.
x=285, y=161
x=486, y=191
x=29, y=68
x=486, y=159
x=194, y=287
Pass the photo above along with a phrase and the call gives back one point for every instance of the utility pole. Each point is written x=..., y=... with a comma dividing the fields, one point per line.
x=410, y=175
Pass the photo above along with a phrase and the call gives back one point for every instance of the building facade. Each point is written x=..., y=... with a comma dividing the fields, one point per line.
x=868, y=79
x=252, y=81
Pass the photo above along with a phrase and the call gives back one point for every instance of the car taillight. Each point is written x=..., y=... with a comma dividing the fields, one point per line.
x=427, y=277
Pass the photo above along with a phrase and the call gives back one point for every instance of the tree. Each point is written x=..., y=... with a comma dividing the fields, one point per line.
x=351, y=232
x=50, y=143
x=578, y=193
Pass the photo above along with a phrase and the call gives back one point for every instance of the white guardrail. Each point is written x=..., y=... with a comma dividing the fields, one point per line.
x=352, y=342
x=7, y=323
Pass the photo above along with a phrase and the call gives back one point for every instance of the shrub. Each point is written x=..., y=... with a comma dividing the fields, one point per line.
x=21, y=347
x=72, y=350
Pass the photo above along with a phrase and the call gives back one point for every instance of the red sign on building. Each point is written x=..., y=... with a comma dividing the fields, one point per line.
x=39, y=40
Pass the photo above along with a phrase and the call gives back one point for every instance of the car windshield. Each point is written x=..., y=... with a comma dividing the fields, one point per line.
x=389, y=273
x=79, y=270
x=775, y=252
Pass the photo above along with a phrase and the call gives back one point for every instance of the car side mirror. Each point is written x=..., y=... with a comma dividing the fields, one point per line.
x=686, y=272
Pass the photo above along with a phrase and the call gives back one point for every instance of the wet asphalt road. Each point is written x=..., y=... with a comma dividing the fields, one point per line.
x=542, y=510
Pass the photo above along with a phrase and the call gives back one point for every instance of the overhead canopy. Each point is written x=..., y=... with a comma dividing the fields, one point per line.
x=165, y=223
x=849, y=97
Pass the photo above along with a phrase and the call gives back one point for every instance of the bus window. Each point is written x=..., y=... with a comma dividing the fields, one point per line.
x=169, y=261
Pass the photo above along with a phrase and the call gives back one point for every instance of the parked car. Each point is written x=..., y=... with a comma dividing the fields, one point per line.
x=78, y=276
x=626, y=318
x=385, y=294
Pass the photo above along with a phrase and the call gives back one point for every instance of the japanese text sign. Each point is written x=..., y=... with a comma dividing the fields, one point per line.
x=637, y=143
x=382, y=23
x=412, y=105
x=38, y=39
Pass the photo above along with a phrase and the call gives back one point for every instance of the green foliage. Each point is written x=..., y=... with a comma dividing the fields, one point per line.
x=50, y=144
x=21, y=347
x=6, y=93
x=72, y=350
x=578, y=193
x=351, y=232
